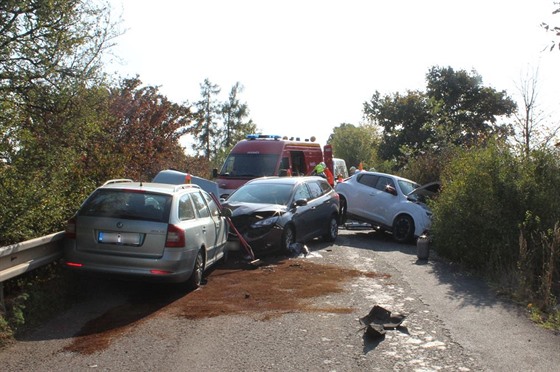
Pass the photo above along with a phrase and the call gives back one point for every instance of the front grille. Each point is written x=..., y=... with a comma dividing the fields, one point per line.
x=242, y=223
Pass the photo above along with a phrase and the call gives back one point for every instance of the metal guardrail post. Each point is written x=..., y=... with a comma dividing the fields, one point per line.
x=20, y=258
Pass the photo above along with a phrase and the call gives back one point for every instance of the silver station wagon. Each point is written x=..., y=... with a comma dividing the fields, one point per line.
x=147, y=231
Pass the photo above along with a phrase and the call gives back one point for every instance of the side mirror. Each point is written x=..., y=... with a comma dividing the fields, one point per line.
x=391, y=190
x=300, y=202
x=215, y=173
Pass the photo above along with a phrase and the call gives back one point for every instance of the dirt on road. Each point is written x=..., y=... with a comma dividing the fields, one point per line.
x=271, y=289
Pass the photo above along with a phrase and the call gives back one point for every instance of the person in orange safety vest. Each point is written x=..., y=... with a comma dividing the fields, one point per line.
x=322, y=170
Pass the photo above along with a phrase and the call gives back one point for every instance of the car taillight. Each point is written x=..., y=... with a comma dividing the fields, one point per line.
x=74, y=264
x=70, y=231
x=175, y=237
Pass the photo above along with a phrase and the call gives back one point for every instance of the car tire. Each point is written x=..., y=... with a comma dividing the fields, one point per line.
x=288, y=237
x=403, y=228
x=332, y=229
x=196, y=277
x=342, y=211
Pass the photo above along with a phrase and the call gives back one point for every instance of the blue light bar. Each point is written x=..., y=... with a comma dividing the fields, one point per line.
x=263, y=136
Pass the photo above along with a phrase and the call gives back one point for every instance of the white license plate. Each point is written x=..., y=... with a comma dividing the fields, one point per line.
x=104, y=237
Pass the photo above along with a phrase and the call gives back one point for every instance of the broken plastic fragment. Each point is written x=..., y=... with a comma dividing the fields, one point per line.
x=383, y=317
x=375, y=330
x=298, y=248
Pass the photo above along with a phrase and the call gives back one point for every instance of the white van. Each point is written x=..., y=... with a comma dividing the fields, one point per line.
x=339, y=166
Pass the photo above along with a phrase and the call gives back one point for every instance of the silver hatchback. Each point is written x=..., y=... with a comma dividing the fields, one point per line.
x=147, y=231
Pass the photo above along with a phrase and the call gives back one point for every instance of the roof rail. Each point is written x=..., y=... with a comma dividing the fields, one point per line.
x=118, y=180
x=185, y=186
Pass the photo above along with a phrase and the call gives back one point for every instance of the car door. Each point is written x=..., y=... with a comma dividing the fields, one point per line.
x=365, y=201
x=320, y=208
x=386, y=202
x=303, y=215
x=208, y=225
x=192, y=225
x=221, y=226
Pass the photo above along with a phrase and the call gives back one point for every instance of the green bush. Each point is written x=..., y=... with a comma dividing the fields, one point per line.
x=499, y=214
x=427, y=167
x=477, y=215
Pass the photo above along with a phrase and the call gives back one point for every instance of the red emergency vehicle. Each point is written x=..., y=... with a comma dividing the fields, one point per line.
x=270, y=155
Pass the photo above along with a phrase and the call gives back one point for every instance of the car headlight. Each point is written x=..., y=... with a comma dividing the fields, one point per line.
x=265, y=222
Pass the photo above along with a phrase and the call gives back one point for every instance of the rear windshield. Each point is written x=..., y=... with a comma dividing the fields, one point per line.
x=128, y=204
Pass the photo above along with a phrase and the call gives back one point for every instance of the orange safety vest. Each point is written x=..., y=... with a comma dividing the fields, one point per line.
x=330, y=177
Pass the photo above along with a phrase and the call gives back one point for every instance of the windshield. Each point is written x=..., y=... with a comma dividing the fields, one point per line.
x=407, y=186
x=262, y=194
x=250, y=165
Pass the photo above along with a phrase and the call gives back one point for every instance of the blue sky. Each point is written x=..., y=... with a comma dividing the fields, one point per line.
x=309, y=65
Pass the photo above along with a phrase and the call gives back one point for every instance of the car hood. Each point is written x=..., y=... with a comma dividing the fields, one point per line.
x=241, y=209
x=427, y=190
x=421, y=194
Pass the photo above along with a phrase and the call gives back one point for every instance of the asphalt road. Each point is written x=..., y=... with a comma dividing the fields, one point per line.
x=297, y=314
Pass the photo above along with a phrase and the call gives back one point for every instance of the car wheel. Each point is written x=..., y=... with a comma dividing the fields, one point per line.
x=342, y=211
x=332, y=229
x=403, y=228
x=288, y=237
x=196, y=277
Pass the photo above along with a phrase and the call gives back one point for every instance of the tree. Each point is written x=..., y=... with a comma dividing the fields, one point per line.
x=219, y=125
x=51, y=43
x=463, y=111
x=47, y=49
x=235, y=114
x=530, y=127
x=455, y=110
x=205, y=126
x=403, y=120
x=355, y=144
x=52, y=101
x=44, y=181
x=142, y=132
x=554, y=29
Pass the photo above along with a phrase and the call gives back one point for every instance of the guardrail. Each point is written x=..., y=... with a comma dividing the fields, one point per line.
x=19, y=258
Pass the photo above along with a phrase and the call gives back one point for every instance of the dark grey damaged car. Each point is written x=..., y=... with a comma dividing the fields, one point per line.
x=273, y=212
